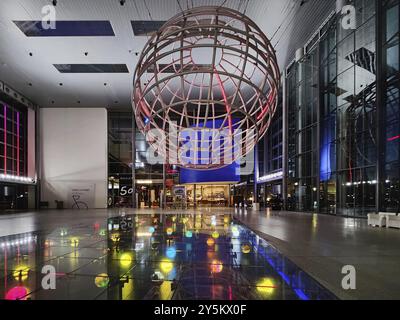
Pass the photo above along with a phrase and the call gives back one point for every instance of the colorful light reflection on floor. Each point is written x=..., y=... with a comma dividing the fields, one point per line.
x=199, y=256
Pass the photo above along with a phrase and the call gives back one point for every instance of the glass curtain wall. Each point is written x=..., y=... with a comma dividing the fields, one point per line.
x=332, y=119
x=303, y=134
x=391, y=111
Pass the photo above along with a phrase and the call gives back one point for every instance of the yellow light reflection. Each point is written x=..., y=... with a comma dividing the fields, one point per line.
x=74, y=241
x=216, y=266
x=210, y=242
x=215, y=235
x=266, y=286
x=127, y=289
x=165, y=290
x=21, y=273
x=166, y=266
x=126, y=259
x=246, y=248
x=115, y=237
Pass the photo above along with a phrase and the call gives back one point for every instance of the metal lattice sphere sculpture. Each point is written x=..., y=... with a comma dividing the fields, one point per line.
x=206, y=88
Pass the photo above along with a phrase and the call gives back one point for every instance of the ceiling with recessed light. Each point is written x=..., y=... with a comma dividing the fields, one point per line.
x=90, y=60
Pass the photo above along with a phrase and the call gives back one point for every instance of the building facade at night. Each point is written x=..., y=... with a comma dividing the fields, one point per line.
x=341, y=115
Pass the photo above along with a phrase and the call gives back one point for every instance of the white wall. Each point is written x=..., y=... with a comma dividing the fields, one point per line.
x=73, y=153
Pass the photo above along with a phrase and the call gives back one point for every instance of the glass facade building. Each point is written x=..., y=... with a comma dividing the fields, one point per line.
x=342, y=104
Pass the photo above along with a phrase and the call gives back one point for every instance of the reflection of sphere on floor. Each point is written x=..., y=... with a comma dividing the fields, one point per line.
x=102, y=280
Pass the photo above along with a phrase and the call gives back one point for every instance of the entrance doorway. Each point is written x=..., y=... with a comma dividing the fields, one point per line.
x=208, y=195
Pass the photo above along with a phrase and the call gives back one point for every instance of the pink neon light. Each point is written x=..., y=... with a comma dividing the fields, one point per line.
x=5, y=139
x=393, y=138
x=227, y=106
x=17, y=143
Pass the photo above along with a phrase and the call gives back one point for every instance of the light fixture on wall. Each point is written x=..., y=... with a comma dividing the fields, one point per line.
x=17, y=179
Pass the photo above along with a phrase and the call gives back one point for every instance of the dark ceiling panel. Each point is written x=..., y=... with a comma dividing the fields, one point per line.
x=145, y=28
x=67, y=29
x=92, y=68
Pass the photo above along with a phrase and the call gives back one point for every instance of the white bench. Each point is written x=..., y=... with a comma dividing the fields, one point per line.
x=380, y=219
x=393, y=222
x=376, y=220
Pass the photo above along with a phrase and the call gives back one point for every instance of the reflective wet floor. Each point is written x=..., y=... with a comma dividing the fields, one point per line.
x=152, y=257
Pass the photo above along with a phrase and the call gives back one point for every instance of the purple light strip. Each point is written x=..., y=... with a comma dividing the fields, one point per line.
x=5, y=139
x=17, y=143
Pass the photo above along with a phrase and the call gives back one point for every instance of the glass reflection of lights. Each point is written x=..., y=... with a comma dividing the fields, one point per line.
x=235, y=231
x=169, y=231
x=115, y=237
x=102, y=280
x=157, y=276
x=102, y=232
x=171, y=253
x=215, y=235
x=17, y=293
x=189, y=234
x=74, y=241
x=152, y=230
x=166, y=266
x=266, y=286
x=21, y=273
x=246, y=248
x=155, y=245
x=63, y=232
x=126, y=259
x=216, y=266
x=139, y=246
x=20, y=241
x=165, y=291
x=210, y=242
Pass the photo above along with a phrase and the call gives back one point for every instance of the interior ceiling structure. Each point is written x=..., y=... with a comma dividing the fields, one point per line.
x=97, y=71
